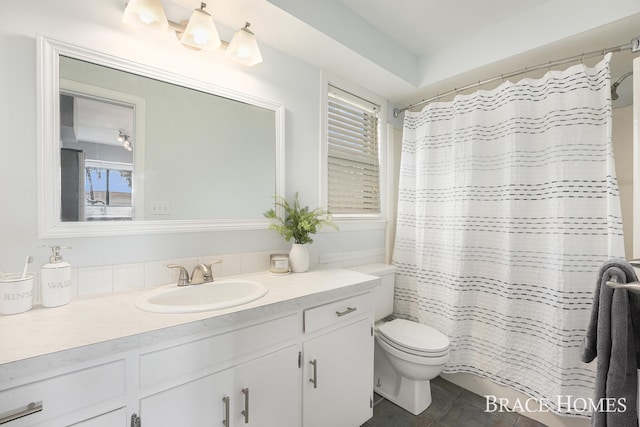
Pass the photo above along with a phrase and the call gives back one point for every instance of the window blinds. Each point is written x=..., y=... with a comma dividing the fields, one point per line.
x=353, y=162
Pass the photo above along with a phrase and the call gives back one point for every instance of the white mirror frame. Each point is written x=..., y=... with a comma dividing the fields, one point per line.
x=48, y=119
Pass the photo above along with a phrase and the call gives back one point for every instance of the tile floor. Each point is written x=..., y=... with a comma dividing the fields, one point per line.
x=452, y=406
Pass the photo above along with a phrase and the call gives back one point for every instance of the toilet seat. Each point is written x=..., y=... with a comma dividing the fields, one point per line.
x=414, y=338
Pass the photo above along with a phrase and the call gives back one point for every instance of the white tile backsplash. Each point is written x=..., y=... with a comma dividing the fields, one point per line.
x=157, y=273
x=74, y=283
x=128, y=276
x=250, y=262
x=114, y=278
x=95, y=280
x=265, y=260
x=352, y=259
x=232, y=264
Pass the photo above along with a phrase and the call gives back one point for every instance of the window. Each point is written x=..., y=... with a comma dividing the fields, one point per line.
x=107, y=190
x=353, y=161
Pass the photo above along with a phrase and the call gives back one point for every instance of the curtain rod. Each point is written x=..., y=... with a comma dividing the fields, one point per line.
x=634, y=46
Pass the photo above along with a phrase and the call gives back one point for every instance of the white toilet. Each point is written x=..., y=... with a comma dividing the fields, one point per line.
x=408, y=355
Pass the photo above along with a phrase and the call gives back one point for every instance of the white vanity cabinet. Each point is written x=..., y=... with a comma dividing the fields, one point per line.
x=67, y=398
x=304, y=359
x=263, y=392
x=338, y=363
x=245, y=377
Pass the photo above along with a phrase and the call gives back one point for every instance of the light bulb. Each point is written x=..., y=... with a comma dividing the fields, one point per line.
x=200, y=37
x=146, y=17
x=243, y=53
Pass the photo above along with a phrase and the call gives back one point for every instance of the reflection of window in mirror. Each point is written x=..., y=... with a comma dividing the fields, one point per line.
x=107, y=190
x=96, y=141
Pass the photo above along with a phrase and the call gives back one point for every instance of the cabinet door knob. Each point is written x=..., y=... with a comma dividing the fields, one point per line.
x=245, y=391
x=225, y=402
x=314, y=380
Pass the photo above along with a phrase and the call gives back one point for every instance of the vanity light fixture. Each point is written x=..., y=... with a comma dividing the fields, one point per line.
x=244, y=47
x=121, y=136
x=198, y=33
x=124, y=139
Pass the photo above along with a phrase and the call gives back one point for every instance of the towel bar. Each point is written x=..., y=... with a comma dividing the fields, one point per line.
x=631, y=286
x=634, y=262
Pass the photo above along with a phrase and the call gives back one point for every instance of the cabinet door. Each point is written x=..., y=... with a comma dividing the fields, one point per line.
x=338, y=377
x=272, y=390
x=196, y=403
x=270, y=396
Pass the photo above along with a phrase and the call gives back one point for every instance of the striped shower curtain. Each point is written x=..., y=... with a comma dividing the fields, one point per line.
x=508, y=205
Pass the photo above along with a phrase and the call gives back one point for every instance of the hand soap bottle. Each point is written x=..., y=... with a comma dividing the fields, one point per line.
x=55, y=279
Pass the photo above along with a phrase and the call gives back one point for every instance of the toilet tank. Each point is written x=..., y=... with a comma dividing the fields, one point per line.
x=383, y=293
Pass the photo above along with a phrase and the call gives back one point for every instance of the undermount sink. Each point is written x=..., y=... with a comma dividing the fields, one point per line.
x=203, y=297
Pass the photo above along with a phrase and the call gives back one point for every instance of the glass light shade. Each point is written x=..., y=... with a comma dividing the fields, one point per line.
x=147, y=14
x=200, y=32
x=243, y=48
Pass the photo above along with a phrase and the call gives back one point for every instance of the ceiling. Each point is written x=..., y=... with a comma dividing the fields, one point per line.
x=451, y=20
x=101, y=122
x=408, y=50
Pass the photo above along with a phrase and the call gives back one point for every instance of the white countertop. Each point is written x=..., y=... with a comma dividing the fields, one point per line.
x=101, y=325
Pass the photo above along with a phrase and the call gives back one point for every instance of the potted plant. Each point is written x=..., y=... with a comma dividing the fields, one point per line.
x=298, y=224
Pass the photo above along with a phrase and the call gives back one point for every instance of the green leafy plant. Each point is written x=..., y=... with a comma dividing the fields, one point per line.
x=298, y=223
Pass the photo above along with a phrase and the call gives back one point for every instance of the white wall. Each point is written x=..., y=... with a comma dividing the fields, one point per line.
x=98, y=25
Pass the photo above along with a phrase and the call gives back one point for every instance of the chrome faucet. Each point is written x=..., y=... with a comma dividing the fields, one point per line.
x=202, y=273
x=183, y=279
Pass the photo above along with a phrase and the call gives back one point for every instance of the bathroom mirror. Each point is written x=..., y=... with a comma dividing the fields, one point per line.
x=128, y=149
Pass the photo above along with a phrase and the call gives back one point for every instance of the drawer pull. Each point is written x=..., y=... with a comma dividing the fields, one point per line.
x=314, y=380
x=245, y=391
x=31, y=408
x=347, y=311
x=225, y=402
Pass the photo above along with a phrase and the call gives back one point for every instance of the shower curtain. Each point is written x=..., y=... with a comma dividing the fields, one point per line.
x=507, y=207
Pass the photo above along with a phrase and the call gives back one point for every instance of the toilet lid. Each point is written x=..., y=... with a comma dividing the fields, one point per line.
x=415, y=336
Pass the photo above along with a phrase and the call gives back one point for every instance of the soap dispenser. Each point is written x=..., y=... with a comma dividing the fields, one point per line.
x=55, y=279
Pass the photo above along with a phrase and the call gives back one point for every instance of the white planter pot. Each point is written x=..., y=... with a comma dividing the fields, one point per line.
x=299, y=258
